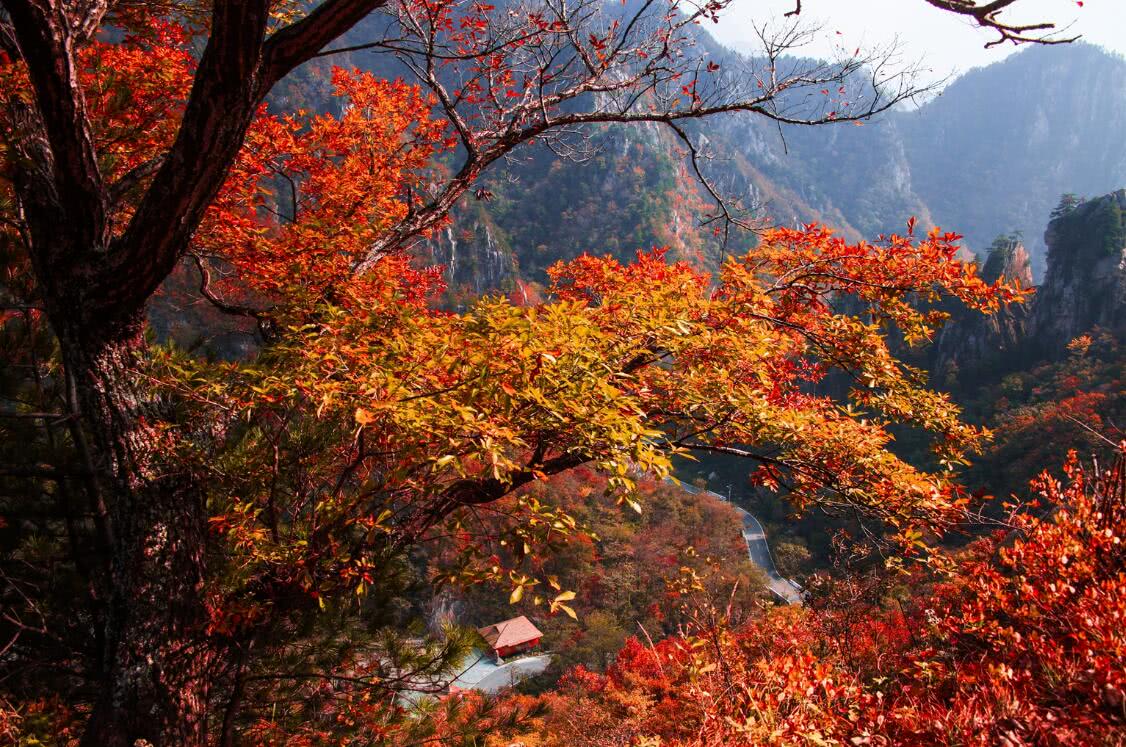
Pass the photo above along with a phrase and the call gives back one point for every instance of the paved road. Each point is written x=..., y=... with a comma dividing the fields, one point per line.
x=511, y=672
x=486, y=675
x=759, y=551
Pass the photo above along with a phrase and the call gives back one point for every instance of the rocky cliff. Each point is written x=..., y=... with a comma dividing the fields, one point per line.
x=1085, y=285
x=1084, y=288
x=995, y=151
x=971, y=342
x=475, y=251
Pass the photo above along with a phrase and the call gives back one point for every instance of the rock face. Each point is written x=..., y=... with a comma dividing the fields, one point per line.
x=994, y=152
x=474, y=253
x=972, y=342
x=1085, y=285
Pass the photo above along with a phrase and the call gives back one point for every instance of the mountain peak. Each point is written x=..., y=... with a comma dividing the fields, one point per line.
x=1010, y=260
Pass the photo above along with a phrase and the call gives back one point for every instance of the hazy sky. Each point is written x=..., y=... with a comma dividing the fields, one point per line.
x=948, y=43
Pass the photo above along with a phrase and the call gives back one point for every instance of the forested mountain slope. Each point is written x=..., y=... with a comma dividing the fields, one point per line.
x=990, y=155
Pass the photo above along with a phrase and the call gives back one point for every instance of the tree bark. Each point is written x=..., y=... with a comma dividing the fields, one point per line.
x=157, y=661
x=156, y=664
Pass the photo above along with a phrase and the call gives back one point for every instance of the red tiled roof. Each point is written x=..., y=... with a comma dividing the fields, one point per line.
x=512, y=632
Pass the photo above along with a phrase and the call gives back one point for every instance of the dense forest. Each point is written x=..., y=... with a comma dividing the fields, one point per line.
x=406, y=372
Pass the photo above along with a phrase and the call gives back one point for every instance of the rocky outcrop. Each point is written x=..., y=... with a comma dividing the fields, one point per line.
x=473, y=252
x=1085, y=285
x=972, y=342
x=995, y=151
x=1084, y=288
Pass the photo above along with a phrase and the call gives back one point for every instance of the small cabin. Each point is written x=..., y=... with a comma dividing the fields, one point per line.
x=511, y=636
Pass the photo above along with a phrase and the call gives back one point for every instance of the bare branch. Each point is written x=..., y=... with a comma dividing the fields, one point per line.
x=987, y=15
x=725, y=205
x=265, y=322
x=549, y=72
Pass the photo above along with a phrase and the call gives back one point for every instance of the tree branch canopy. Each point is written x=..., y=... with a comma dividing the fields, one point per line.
x=556, y=54
x=241, y=510
x=44, y=34
x=235, y=72
x=224, y=98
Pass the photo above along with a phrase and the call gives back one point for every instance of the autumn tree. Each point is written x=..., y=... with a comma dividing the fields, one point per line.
x=1017, y=641
x=125, y=151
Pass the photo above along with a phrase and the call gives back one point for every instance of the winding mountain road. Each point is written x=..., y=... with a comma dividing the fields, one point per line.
x=759, y=551
x=487, y=675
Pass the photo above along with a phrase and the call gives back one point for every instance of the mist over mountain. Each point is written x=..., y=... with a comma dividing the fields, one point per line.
x=994, y=152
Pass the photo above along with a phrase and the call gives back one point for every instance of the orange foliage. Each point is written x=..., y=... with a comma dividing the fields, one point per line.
x=372, y=423
x=309, y=195
x=1021, y=644
x=1033, y=644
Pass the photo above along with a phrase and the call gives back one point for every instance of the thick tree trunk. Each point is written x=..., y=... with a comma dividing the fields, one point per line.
x=156, y=665
x=157, y=662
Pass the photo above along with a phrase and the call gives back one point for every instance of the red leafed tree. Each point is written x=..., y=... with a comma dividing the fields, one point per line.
x=121, y=147
x=1028, y=646
x=1018, y=642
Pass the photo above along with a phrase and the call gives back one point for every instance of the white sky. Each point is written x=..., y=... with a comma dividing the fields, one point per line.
x=947, y=43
